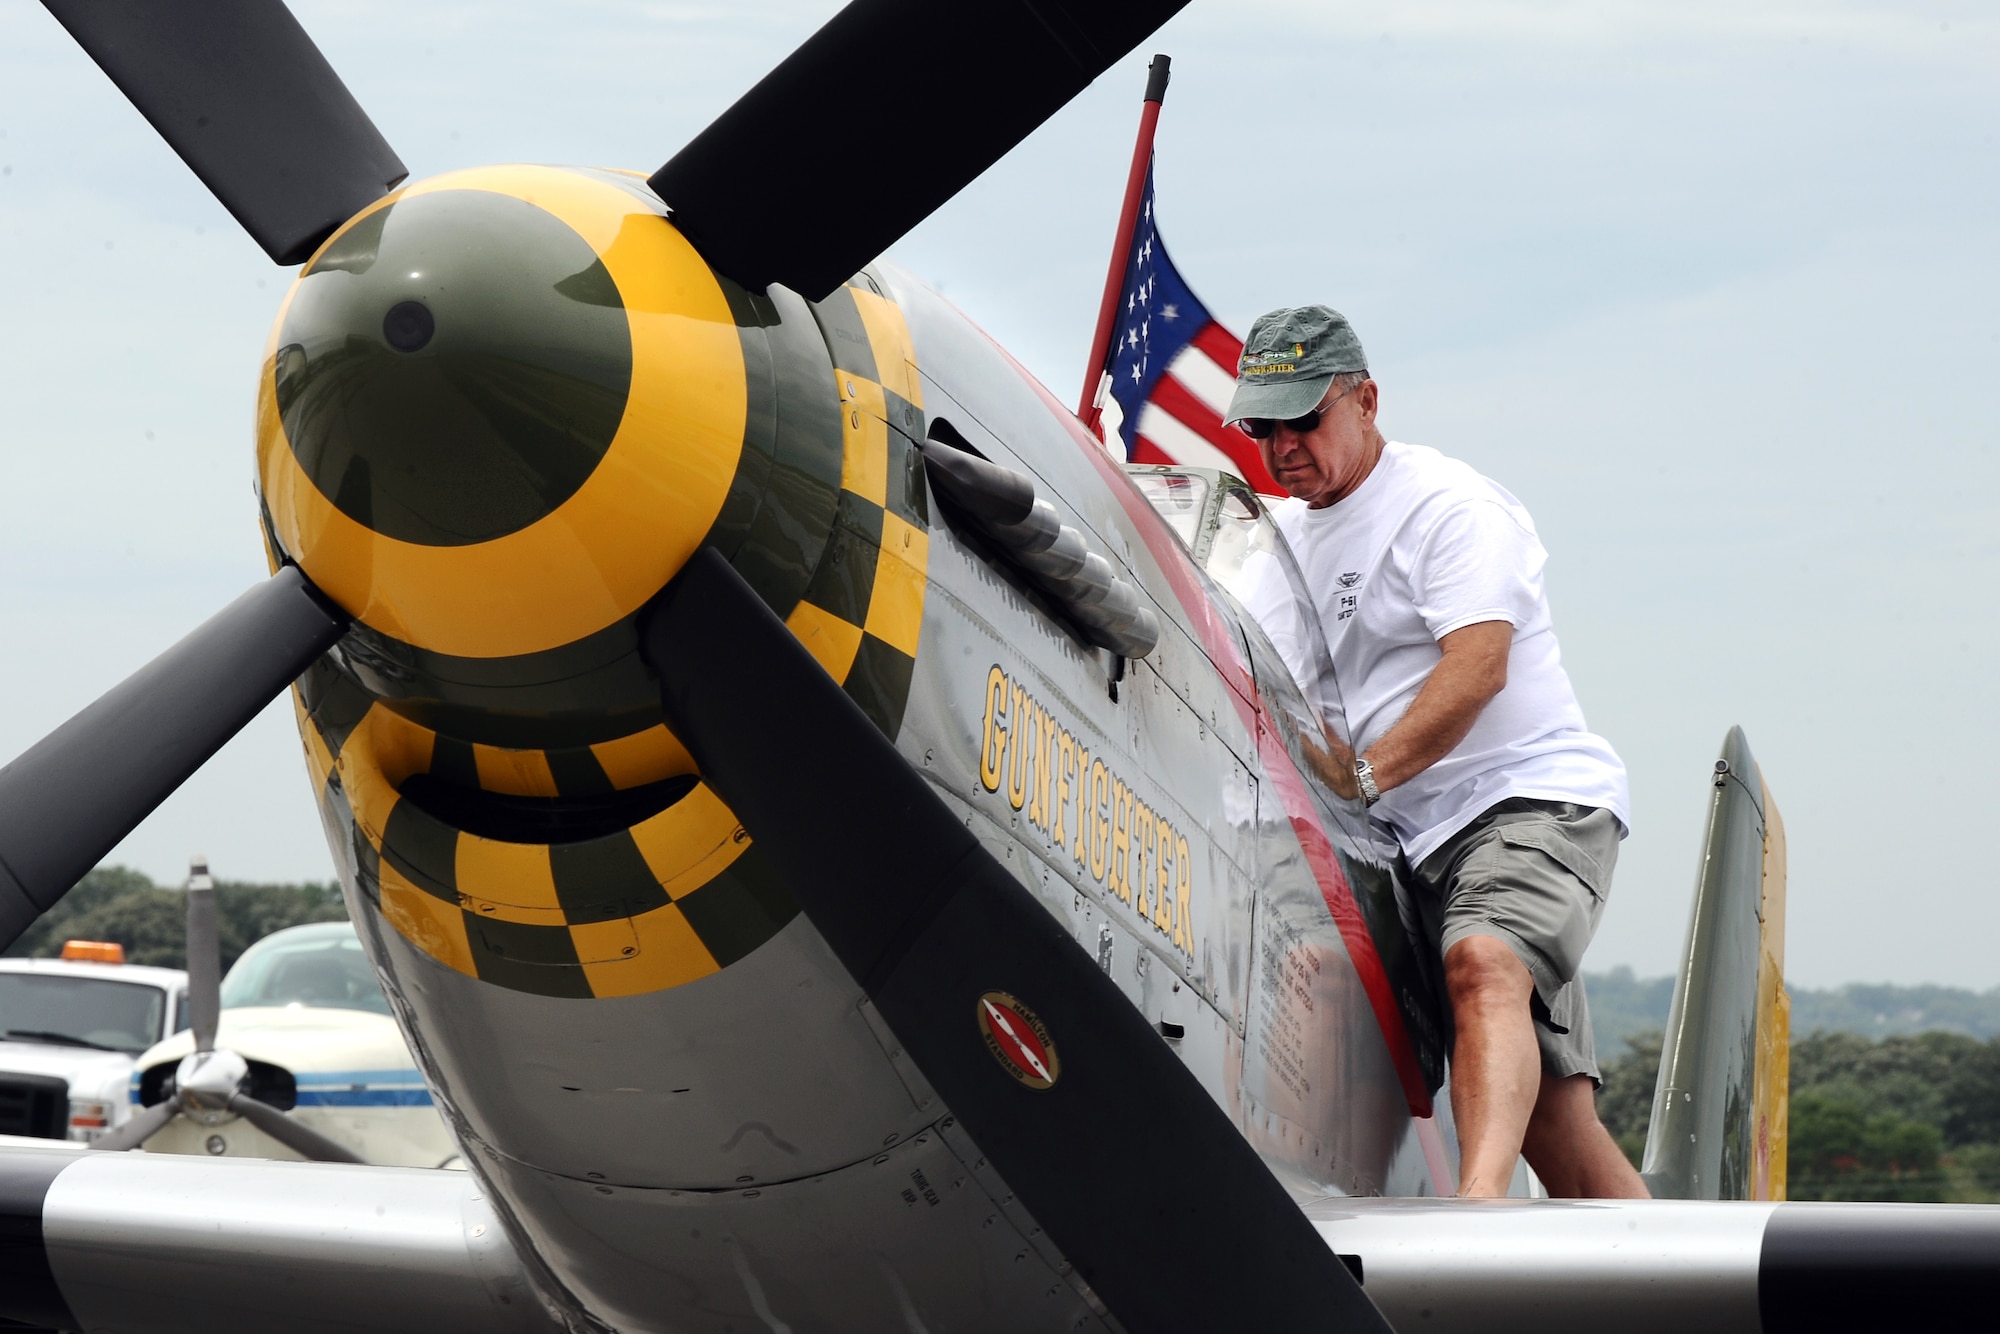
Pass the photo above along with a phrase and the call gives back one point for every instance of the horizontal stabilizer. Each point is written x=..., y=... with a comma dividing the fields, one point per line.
x=1668, y=1266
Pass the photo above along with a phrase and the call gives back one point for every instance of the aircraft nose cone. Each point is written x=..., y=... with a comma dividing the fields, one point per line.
x=453, y=367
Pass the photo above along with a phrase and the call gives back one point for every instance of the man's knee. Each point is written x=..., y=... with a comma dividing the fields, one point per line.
x=1484, y=970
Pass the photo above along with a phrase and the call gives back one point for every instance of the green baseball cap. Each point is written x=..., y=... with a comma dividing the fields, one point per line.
x=1289, y=359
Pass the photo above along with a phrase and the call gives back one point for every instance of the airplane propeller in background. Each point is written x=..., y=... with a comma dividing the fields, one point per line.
x=214, y=1079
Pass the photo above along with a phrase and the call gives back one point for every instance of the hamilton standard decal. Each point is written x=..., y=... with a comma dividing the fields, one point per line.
x=1086, y=809
x=1018, y=1040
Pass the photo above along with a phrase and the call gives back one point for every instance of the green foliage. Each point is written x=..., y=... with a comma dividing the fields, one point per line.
x=1972, y=1099
x=1625, y=1100
x=1974, y=1172
x=1913, y=1117
x=1912, y=1078
x=1840, y=1152
x=116, y=903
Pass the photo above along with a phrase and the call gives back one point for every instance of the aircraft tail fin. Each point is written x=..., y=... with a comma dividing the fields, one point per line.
x=1719, y=1109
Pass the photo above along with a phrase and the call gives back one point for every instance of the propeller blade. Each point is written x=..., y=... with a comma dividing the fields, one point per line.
x=1173, y=1219
x=302, y=1140
x=885, y=113
x=141, y=1127
x=68, y=799
x=204, y=958
x=238, y=89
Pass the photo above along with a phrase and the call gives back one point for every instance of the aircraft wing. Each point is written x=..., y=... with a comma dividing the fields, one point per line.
x=163, y=1242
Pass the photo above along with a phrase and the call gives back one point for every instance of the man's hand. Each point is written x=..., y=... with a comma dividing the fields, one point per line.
x=1332, y=763
x=1472, y=671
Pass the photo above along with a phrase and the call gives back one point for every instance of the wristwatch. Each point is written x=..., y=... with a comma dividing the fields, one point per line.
x=1364, y=774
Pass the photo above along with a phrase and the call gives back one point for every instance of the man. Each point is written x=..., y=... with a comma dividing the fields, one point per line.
x=1467, y=741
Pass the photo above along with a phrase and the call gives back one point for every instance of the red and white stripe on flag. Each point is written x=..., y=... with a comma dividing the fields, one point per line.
x=1181, y=420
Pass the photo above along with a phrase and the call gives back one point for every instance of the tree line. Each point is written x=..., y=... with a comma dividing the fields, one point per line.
x=119, y=904
x=1908, y=1117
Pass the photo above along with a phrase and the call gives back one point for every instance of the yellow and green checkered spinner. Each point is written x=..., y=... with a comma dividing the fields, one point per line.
x=681, y=892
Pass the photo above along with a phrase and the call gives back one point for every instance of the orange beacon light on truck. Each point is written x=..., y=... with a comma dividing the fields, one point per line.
x=93, y=951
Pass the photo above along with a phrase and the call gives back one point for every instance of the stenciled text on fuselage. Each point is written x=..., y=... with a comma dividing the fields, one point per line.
x=1050, y=775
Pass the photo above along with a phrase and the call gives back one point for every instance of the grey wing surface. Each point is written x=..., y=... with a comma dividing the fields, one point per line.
x=161, y=1242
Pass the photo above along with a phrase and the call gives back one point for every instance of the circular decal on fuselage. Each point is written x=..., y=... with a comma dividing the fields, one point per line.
x=1018, y=1040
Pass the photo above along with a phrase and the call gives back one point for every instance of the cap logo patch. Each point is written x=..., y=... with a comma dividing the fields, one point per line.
x=1018, y=1040
x=1278, y=361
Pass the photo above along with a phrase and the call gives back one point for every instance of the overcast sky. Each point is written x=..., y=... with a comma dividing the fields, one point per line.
x=1714, y=287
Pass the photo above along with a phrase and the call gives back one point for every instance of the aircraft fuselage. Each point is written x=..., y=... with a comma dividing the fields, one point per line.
x=501, y=409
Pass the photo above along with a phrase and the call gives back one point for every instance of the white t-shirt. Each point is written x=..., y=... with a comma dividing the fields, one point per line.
x=1423, y=547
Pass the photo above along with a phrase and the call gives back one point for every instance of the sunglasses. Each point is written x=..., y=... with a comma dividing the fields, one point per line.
x=1260, y=428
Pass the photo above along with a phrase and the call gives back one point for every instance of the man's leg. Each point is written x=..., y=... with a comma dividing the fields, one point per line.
x=1496, y=1065
x=1570, y=1149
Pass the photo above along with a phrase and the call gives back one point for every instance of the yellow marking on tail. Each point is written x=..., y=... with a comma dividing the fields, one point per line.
x=1771, y=1084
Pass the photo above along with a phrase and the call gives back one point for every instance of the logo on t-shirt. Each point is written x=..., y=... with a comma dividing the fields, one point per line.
x=1350, y=579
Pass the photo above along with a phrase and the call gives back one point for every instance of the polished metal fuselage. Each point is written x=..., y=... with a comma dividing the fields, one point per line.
x=752, y=1150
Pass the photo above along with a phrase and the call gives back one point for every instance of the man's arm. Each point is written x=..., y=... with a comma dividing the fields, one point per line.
x=1472, y=671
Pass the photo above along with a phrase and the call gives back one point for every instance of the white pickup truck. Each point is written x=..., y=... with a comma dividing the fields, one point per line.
x=70, y=1031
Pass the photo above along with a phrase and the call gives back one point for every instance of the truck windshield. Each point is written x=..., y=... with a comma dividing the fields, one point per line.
x=88, y=1011
x=318, y=965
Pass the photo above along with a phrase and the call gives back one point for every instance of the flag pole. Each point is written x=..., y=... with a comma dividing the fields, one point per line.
x=1088, y=406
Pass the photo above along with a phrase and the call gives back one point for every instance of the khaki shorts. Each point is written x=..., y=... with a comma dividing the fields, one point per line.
x=1535, y=875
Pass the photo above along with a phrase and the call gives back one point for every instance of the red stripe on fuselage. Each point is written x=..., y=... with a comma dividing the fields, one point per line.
x=1218, y=640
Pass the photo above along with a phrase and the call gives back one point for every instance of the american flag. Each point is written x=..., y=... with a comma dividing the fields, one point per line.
x=1172, y=369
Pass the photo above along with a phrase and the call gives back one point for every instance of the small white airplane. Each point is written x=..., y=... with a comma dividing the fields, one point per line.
x=304, y=1010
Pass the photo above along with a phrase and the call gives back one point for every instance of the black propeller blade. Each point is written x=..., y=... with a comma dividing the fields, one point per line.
x=300, y=1139
x=884, y=114
x=68, y=799
x=204, y=957
x=142, y=1127
x=1136, y=1173
x=242, y=94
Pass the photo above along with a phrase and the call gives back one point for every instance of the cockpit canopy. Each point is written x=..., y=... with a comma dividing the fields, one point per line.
x=319, y=965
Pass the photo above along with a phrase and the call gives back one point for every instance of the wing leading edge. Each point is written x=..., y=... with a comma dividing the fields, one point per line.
x=169, y=1243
